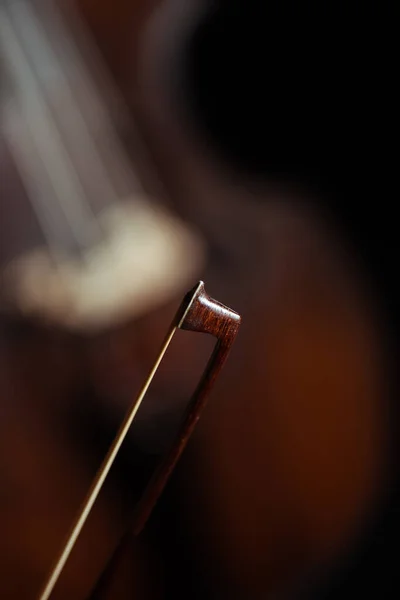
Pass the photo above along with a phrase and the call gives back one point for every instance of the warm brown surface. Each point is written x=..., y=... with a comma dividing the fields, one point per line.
x=287, y=457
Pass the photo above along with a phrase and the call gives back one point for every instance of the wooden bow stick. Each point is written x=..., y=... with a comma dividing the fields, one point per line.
x=198, y=312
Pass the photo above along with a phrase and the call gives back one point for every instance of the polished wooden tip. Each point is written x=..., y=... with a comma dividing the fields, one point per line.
x=204, y=314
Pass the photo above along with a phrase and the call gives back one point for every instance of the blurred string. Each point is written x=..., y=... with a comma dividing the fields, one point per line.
x=53, y=118
x=58, y=111
x=52, y=183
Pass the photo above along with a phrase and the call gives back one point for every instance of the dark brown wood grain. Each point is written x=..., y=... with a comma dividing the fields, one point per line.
x=200, y=313
x=204, y=315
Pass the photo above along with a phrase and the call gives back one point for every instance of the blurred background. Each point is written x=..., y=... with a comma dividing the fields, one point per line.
x=147, y=144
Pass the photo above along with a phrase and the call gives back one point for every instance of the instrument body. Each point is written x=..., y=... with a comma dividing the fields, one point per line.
x=299, y=424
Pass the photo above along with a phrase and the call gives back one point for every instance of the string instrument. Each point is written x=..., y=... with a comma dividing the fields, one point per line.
x=295, y=445
x=311, y=458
